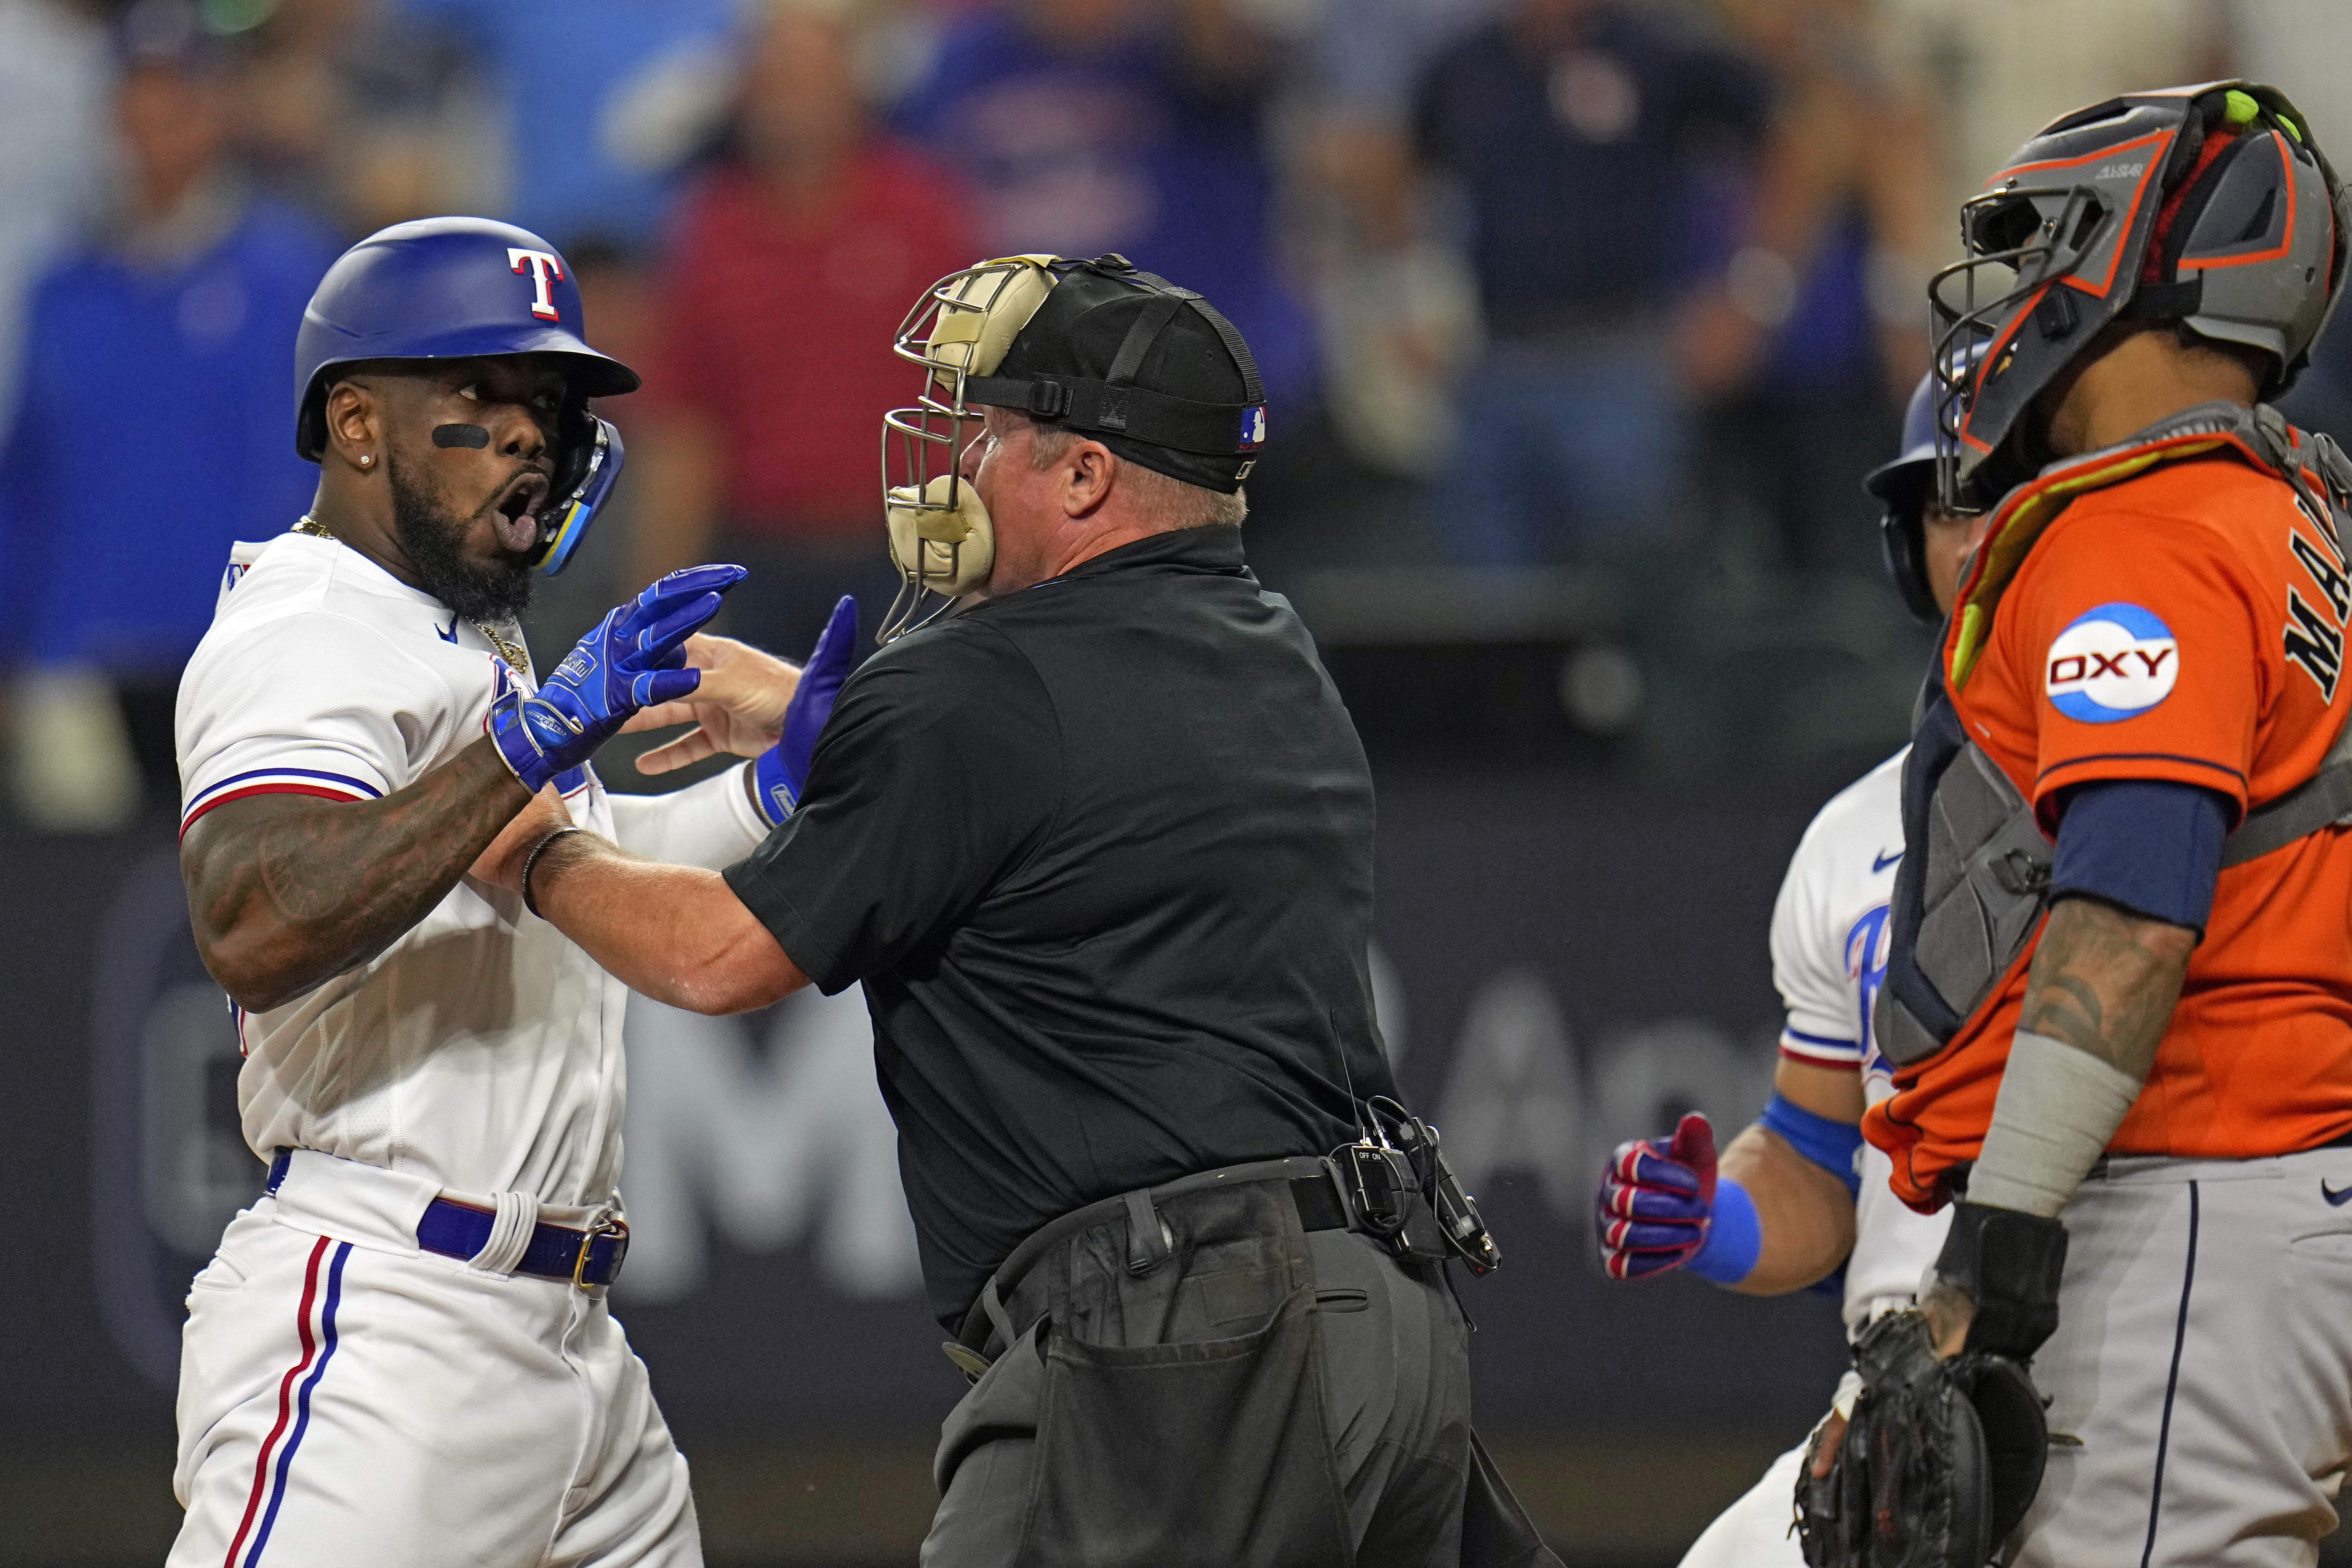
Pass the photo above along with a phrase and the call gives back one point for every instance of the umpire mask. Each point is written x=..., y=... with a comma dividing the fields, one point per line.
x=1150, y=369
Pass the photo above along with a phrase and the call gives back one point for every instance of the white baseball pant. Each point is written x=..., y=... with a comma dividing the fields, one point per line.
x=347, y=1398
x=2200, y=1379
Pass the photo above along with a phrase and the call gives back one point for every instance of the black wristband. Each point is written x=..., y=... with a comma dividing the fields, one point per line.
x=2009, y=1264
x=532, y=859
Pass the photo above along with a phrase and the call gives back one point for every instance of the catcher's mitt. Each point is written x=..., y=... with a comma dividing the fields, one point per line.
x=1939, y=1461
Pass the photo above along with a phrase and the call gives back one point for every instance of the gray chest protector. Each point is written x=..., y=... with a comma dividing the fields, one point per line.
x=1974, y=878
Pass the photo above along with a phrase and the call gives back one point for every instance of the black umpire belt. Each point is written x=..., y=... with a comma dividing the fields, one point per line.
x=1314, y=1188
x=577, y=1257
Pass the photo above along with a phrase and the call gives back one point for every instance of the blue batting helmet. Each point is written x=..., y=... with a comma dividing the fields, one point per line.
x=1902, y=484
x=461, y=288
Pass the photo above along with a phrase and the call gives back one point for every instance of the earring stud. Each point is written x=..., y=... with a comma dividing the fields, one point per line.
x=366, y=458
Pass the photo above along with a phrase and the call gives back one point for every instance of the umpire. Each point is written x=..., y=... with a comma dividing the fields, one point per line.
x=1097, y=841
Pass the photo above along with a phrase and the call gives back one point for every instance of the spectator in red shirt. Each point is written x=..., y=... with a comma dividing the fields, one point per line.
x=790, y=266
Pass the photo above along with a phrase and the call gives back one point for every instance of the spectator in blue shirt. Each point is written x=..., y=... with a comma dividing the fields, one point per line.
x=1829, y=264
x=53, y=75
x=1087, y=126
x=156, y=417
x=604, y=99
x=1580, y=136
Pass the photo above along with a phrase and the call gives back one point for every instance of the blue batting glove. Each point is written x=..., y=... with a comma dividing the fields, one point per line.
x=634, y=658
x=782, y=769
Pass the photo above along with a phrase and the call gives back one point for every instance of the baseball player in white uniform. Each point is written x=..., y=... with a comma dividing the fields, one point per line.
x=1800, y=1194
x=402, y=1352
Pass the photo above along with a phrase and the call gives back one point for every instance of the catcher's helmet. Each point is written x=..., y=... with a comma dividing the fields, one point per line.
x=462, y=288
x=2207, y=205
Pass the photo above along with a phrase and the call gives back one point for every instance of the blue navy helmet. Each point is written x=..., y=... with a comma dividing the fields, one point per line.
x=1905, y=485
x=462, y=287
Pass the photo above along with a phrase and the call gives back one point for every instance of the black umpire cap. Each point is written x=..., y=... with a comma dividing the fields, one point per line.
x=1150, y=369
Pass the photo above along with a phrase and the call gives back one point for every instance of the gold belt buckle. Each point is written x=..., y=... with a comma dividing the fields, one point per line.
x=605, y=1225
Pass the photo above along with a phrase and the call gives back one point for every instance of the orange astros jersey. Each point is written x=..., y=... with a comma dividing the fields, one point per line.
x=2184, y=624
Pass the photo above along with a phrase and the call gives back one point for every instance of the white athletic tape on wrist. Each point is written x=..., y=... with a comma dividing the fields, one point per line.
x=2058, y=1108
x=1849, y=1389
x=517, y=1216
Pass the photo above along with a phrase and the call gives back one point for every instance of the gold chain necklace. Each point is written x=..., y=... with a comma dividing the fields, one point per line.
x=514, y=657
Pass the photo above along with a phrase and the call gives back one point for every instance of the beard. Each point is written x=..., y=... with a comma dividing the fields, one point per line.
x=432, y=535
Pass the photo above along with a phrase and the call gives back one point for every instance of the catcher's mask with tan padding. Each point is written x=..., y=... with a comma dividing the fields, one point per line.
x=2211, y=206
x=1150, y=369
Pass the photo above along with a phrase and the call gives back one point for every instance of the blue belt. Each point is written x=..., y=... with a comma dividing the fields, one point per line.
x=590, y=1257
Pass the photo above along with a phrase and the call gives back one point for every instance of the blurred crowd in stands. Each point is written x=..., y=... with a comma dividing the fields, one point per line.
x=1580, y=320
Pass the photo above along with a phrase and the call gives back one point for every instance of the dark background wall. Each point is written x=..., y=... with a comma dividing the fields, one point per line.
x=1565, y=960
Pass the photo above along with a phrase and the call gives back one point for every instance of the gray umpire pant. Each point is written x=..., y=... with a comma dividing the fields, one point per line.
x=1260, y=1397
x=2200, y=1379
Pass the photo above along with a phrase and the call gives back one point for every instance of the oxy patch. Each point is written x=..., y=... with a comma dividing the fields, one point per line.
x=2112, y=662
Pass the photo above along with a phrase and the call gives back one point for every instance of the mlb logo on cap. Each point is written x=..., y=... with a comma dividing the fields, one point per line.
x=1252, y=428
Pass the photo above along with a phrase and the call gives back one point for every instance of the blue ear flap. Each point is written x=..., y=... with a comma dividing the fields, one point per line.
x=591, y=479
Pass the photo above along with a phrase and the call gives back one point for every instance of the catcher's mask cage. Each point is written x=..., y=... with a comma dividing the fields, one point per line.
x=2056, y=247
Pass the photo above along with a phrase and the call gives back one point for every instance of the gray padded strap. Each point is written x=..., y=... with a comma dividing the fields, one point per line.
x=2321, y=800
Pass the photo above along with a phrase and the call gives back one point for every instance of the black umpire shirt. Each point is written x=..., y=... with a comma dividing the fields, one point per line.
x=1101, y=851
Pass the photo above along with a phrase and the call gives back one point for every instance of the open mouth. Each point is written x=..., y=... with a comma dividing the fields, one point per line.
x=517, y=515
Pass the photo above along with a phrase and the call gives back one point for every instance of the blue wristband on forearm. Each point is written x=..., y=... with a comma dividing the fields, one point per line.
x=1735, y=1237
x=771, y=786
x=1831, y=1144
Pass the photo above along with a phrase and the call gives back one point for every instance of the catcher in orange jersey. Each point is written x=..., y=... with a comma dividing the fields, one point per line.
x=2119, y=989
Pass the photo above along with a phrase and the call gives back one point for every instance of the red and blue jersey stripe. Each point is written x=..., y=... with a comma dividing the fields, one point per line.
x=275, y=781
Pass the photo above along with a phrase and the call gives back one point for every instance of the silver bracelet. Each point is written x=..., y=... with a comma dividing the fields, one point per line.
x=532, y=859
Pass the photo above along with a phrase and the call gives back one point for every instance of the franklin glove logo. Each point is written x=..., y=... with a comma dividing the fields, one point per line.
x=549, y=726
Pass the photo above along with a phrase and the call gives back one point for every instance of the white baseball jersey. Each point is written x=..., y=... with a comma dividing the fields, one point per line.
x=1829, y=954
x=481, y=1051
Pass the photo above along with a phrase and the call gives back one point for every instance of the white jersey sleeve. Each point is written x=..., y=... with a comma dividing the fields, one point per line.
x=1828, y=956
x=711, y=824
x=306, y=700
x=1843, y=869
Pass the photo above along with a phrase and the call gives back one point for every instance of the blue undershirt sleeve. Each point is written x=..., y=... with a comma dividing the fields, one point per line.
x=2152, y=846
x=1829, y=1144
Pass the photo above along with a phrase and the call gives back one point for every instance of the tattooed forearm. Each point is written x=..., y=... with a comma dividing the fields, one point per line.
x=2106, y=981
x=286, y=891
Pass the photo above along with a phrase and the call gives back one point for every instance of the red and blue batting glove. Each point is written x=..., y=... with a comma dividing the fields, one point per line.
x=782, y=769
x=1661, y=1207
x=634, y=658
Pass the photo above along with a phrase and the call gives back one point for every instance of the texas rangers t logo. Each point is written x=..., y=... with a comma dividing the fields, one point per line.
x=546, y=268
x=2112, y=663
